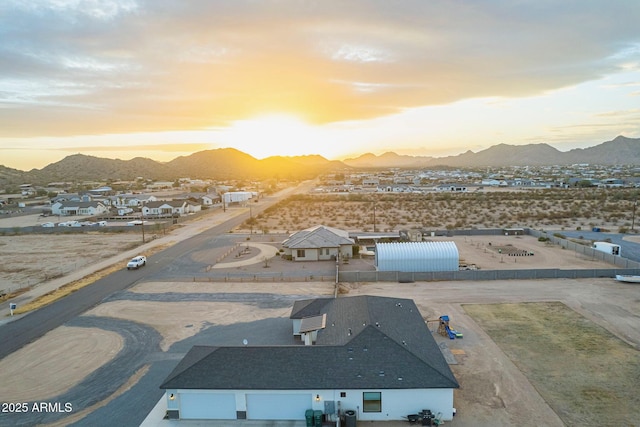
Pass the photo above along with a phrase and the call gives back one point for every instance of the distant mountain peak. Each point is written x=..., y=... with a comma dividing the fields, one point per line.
x=230, y=163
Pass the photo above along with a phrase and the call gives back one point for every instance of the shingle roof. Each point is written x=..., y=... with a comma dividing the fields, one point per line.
x=71, y=204
x=172, y=203
x=318, y=237
x=308, y=307
x=368, y=342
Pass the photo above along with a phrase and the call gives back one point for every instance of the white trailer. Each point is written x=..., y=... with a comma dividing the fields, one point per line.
x=606, y=247
x=240, y=197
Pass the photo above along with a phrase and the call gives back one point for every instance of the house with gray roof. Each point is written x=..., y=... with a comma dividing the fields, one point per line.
x=371, y=355
x=170, y=208
x=78, y=208
x=318, y=243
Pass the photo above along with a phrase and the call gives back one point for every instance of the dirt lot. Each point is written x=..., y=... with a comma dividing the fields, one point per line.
x=31, y=259
x=497, y=366
x=516, y=365
x=55, y=363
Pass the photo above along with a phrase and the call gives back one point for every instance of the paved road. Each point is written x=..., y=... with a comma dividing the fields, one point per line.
x=15, y=335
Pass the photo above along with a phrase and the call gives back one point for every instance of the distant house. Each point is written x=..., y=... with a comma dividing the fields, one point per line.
x=165, y=208
x=170, y=208
x=71, y=197
x=193, y=207
x=318, y=243
x=454, y=188
x=27, y=190
x=211, y=199
x=372, y=357
x=132, y=200
x=612, y=183
x=123, y=211
x=491, y=182
x=102, y=191
x=78, y=208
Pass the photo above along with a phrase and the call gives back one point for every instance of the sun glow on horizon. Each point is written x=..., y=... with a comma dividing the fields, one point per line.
x=275, y=135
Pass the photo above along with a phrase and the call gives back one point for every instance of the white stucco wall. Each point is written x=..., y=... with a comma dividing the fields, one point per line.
x=396, y=404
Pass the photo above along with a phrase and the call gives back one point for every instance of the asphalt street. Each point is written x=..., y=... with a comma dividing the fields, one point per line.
x=15, y=335
x=141, y=342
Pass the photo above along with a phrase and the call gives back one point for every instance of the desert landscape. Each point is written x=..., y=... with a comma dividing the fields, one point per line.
x=513, y=330
x=506, y=325
x=547, y=209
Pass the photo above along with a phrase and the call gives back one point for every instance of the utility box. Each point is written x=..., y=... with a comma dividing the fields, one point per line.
x=329, y=407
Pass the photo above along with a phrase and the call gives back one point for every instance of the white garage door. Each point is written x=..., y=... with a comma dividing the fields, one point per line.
x=277, y=406
x=207, y=406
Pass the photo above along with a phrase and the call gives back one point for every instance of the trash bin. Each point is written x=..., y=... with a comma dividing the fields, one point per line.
x=308, y=415
x=317, y=416
x=350, y=418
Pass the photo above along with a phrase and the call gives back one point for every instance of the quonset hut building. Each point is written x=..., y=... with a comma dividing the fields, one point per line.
x=415, y=257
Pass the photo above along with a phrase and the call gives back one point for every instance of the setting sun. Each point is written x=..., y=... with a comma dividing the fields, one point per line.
x=274, y=134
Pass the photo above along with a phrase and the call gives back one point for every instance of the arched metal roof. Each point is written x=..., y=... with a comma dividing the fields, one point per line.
x=417, y=256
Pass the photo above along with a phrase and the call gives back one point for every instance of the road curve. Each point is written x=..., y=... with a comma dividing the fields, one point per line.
x=15, y=335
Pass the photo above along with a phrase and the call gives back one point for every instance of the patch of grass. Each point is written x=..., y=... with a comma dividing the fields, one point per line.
x=6, y=297
x=582, y=371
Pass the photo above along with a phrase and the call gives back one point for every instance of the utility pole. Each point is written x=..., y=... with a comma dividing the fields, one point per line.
x=633, y=215
x=251, y=217
x=374, y=218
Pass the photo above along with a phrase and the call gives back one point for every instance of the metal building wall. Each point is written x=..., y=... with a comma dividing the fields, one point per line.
x=417, y=256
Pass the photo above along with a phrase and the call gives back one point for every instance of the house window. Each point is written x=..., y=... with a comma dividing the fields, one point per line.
x=301, y=253
x=372, y=401
x=343, y=394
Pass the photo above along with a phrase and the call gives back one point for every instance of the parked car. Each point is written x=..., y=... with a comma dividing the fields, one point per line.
x=47, y=224
x=137, y=262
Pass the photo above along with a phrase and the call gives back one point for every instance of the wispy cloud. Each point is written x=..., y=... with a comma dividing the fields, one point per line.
x=71, y=67
x=165, y=148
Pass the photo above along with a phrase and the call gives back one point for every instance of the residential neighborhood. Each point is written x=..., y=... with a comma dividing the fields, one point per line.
x=395, y=180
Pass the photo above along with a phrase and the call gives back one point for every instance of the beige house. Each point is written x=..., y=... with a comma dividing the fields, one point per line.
x=170, y=208
x=319, y=243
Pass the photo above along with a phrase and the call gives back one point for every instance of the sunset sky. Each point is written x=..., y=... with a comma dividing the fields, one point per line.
x=165, y=78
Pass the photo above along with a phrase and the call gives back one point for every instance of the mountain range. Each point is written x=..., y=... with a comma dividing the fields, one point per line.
x=229, y=163
x=621, y=150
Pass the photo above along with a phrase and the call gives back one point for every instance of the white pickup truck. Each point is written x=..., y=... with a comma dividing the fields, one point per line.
x=137, y=262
